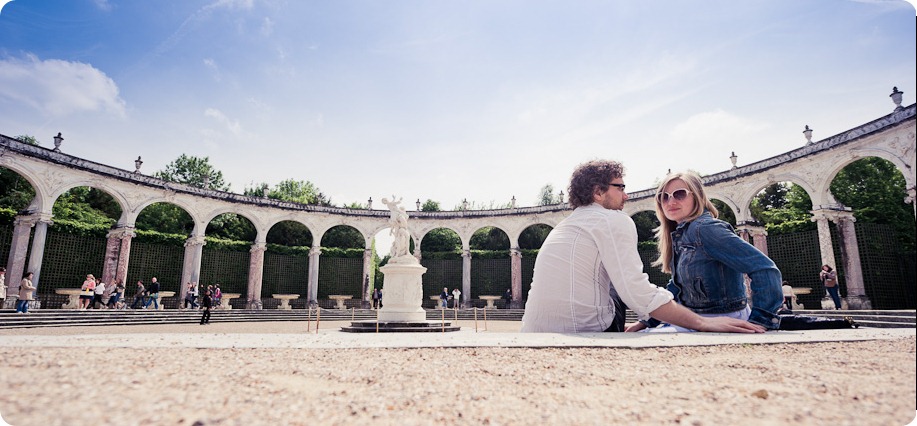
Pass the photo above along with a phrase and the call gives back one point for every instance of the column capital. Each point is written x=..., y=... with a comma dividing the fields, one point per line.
x=195, y=240
x=911, y=195
x=258, y=246
x=515, y=252
x=466, y=253
x=122, y=232
x=315, y=251
x=832, y=212
x=33, y=219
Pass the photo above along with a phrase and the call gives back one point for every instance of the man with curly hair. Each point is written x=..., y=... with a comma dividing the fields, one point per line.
x=588, y=267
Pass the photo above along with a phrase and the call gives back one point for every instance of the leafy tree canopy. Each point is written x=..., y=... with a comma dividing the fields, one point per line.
x=193, y=171
x=533, y=237
x=489, y=238
x=430, y=206
x=441, y=239
x=547, y=197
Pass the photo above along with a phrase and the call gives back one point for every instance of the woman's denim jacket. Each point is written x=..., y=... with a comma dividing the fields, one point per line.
x=710, y=260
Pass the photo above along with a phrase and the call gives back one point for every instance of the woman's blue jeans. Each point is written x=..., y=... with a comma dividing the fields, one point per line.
x=835, y=295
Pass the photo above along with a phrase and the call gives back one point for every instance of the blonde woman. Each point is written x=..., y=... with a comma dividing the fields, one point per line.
x=87, y=292
x=707, y=259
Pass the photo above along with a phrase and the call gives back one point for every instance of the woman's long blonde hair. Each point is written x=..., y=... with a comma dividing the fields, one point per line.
x=666, y=226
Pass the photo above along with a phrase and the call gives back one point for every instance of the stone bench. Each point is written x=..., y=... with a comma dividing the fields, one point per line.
x=73, y=297
x=225, y=298
x=339, y=300
x=490, y=301
x=285, y=300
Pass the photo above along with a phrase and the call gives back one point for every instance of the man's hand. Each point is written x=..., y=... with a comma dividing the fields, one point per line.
x=631, y=328
x=729, y=325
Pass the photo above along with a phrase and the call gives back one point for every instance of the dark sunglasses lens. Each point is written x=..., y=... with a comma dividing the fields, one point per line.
x=680, y=194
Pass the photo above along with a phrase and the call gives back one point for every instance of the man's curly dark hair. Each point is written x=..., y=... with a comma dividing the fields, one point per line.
x=589, y=176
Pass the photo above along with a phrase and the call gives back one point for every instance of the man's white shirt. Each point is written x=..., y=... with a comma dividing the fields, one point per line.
x=588, y=256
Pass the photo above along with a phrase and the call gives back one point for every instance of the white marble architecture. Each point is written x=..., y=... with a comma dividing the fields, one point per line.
x=812, y=166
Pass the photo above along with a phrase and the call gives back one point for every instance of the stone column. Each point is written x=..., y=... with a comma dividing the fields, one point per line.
x=759, y=238
x=742, y=230
x=256, y=274
x=466, y=276
x=367, y=278
x=516, y=267
x=127, y=235
x=19, y=247
x=824, y=237
x=853, y=271
x=38, y=247
x=191, y=268
x=315, y=254
x=110, y=263
x=911, y=197
x=117, y=255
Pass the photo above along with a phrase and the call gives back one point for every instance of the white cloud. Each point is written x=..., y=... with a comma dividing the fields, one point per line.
x=715, y=127
x=232, y=126
x=58, y=88
x=267, y=27
x=103, y=5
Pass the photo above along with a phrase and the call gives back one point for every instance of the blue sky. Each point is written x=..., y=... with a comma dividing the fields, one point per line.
x=447, y=100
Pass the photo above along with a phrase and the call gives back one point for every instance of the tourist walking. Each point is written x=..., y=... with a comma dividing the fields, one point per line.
x=206, y=305
x=153, y=294
x=139, y=296
x=508, y=298
x=377, y=296
x=117, y=293
x=828, y=278
x=26, y=293
x=456, y=298
x=217, y=296
x=591, y=257
x=444, y=298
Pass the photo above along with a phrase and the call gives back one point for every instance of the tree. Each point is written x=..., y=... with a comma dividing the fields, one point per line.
x=489, y=238
x=292, y=190
x=343, y=236
x=231, y=226
x=430, y=206
x=166, y=218
x=193, y=171
x=875, y=190
x=533, y=236
x=441, y=240
x=27, y=139
x=290, y=233
x=87, y=205
x=15, y=192
x=646, y=223
x=546, y=196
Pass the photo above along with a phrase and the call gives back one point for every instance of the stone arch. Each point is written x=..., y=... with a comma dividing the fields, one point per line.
x=97, y=184
x=441, y=245
x=533, y=236
x=256, y=222
x=742, y=206
x=493, y=234
x=294, y=233
x=38, y=196
x=824, y=185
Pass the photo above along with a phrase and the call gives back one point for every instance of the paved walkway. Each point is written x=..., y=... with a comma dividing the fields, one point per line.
x=500, y=334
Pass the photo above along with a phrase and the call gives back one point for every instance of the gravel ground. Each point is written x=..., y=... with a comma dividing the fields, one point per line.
x=833, y=383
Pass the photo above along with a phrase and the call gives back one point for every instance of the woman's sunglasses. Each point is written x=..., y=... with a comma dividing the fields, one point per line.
x=678, y=195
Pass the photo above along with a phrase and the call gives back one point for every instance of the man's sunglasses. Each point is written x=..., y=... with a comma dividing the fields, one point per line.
x=678, y=194
x=619, y=185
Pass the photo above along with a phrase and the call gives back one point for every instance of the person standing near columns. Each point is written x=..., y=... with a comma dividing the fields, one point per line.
x=154, y=295
x=26, y=293
x=2, y=286
x=828, y=278
x=456, y=298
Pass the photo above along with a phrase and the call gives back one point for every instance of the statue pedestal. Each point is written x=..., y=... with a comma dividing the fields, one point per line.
x=402, y=290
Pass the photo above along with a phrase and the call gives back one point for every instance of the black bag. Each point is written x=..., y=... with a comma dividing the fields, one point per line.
x=805, y=322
